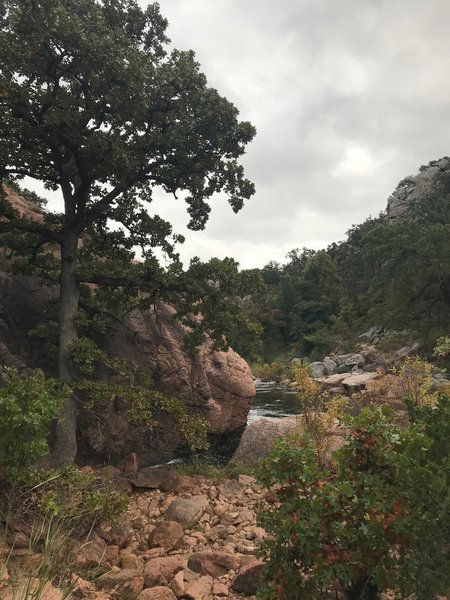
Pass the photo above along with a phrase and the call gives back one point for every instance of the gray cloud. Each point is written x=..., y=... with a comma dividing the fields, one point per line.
x=348, y=97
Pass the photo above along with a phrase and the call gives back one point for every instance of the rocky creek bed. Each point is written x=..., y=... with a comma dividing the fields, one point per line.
x=182, y=537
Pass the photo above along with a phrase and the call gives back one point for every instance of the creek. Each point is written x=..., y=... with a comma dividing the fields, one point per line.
x=273, y=401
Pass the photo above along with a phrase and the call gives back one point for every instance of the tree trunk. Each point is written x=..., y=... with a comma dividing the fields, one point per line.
x=363, y=590
x=65, y=443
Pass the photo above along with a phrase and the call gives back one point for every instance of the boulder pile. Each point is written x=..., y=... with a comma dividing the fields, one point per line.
x=195, y=542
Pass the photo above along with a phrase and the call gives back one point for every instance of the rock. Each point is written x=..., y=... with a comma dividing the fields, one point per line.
x=180, y=483
x=230, y=488
x=358, y=381
x=177, y=584
x=245, y=479
x=187, y=511
x=317, y=369
x=157, y=593
x=258, y=438
x=334, y=380
x=159, y=571
x=239, y=516
x=131, y=561
x=129, y=464
x=371, y=334
x=249, y=579
x=126, y=583
x=220, y=589
x=350, y=360
x=50, y=592
x=91, y=554
x=405, y=351
x=215, y=564
x=415, y=189
x=330, y=365
x=119, y=534
x=150, y=477
x=168, y=535
x=200, y=589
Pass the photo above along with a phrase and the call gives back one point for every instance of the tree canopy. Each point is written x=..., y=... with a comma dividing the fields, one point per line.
x=94, y=104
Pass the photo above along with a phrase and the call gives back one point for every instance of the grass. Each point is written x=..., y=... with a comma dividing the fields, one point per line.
x=209, y=470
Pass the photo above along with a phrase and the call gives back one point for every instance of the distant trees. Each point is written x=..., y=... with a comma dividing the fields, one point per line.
x=391, y=273
x=397, y=273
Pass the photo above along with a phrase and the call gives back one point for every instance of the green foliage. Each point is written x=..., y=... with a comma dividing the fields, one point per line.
x=442, y=348
x=378, y=520
x=277, y=370
x=211, y=301
x=76, y=496
x=416, y=380
x=61, y=510
x=397, y=272
x=28, y=406
x=94, y=103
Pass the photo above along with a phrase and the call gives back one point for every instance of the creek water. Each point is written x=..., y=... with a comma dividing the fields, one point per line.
x=273, y=401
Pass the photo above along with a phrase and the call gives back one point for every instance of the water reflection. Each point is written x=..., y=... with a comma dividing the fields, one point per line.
x=273, y=401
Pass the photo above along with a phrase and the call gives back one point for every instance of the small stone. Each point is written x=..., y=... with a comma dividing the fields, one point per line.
x=167, y=535
x=126, y=582
x=177, y=584
x=159, y=571
x=249, y=579
x=187, y=511
x=245, y=479
x=157, y=593
x=200, y=589
x=230, y=488
x=131, y=561
x=220, y=589
x=215, y=564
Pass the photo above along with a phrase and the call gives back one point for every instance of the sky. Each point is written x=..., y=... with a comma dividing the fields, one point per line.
x=348, y=97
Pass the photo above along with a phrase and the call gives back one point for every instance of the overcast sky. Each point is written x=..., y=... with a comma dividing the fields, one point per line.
x=348, y=97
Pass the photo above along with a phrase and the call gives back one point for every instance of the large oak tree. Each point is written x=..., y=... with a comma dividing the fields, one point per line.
x=94, y=104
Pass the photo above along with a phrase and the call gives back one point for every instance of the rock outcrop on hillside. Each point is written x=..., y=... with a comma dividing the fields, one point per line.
x=415, y=188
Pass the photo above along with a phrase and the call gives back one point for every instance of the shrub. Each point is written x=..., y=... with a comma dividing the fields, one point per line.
x=28, y=406
x=277, y=370
x=378, y=520
x=75, y=496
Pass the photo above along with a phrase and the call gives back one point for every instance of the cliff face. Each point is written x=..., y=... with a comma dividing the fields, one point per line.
x=415, y=188
x=216, y=385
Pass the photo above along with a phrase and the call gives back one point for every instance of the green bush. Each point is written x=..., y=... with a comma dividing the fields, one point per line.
x=76, y=496
x=28, y=406
x=277, y=370
x=377, y=520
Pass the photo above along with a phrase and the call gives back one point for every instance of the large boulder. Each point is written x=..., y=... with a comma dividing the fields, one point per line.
x=258, y=438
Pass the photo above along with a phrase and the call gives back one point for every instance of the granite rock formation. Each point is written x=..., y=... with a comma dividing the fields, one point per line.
x=415, y=188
